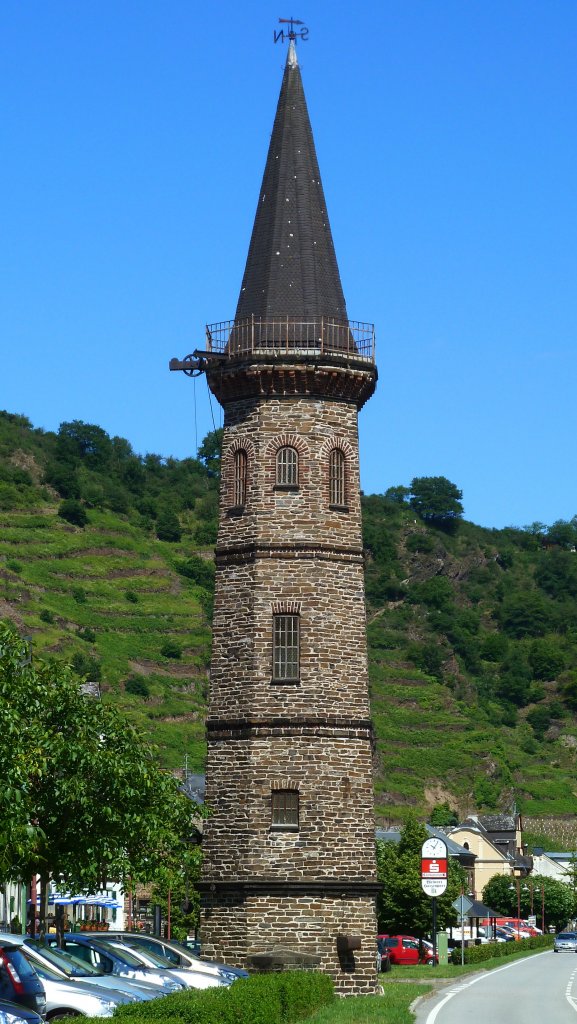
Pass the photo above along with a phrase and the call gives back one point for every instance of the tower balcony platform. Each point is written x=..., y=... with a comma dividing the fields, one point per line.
x=281, y=336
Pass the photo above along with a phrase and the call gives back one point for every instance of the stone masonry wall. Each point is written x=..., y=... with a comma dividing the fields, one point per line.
x=287, y=551
x=242, y=928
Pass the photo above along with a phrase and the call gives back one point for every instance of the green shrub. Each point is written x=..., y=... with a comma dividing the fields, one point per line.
x=131, y=596
x=171, y=649
x=262, y=999
x=168, y=527
x=79, y=595
x=86, y=633
x=46, y=615
x=13, y=565
x=476, y=954
x=421, y=543
x=201, y=570
x=137, y=686
x=73, y=512
x=84, y=665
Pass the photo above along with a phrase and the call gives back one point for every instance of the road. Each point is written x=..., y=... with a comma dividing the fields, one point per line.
x=541, y=989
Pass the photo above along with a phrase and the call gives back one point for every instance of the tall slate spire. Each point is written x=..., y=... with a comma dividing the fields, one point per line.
x=291, y=268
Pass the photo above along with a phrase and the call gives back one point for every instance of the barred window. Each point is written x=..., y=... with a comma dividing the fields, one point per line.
x=337, y=477
x=285, y=665
x=287, y=467
x=285, y=809
x=240, y=477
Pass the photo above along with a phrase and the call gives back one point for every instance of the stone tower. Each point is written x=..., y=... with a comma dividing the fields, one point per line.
x=289, y=850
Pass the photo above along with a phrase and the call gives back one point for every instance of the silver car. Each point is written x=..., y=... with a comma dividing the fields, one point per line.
x=177, y=955
x=120, y=963
x=69, y=968
x=189, y=977
x=565, y=942
x=66, y=998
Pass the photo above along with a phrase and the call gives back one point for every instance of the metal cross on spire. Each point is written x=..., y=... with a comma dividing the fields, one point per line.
x=291, y=33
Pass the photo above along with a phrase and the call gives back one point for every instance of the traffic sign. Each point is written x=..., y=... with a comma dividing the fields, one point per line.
x=462, y=905
x=434, y=867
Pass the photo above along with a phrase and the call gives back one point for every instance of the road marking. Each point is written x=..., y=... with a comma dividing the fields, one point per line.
x=568, y=995
x=467, y=984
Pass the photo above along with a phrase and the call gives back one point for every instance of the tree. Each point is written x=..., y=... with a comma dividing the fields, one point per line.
x=210, y=451
x=85, y=441
x=443, y=814
x=500, y=893
x=82, y=798
x=546, y=658
x=402, y=905
x=168, y=527
x=525, y=614
x=438, y=501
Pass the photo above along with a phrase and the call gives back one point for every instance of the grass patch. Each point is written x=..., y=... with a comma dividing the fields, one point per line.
x=390, y=1008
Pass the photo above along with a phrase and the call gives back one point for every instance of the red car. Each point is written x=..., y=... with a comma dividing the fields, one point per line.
x=404, y=949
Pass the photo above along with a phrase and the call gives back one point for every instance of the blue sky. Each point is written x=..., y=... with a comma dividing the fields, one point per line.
x=133, y=141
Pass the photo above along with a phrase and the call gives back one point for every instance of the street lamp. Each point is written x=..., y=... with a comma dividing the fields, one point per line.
x=512, y=889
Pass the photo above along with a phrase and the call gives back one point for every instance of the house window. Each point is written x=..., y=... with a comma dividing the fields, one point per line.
x=287, y=467
x=240, y=478
x=285, y=809
x=337, y=477
x=285, y=666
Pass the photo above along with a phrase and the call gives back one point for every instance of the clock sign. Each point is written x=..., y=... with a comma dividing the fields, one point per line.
x=434, y=867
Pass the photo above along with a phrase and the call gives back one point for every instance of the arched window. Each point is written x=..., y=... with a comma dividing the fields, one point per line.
x=240, y=478
x=286, y=648
x=285, y=809
x=287, y=467
x=337, y=494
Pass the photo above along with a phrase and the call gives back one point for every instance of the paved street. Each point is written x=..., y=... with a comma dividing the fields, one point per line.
x=539, y=990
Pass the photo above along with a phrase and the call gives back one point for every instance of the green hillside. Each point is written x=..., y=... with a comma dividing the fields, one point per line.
x=106, y=563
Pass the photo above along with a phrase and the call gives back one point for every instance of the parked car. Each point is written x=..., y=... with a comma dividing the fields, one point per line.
x=103, y=956
x=11, y=1013
x=383, y=956
x=19, y=982
x=405, y=949
x=68, y=966
x=565, y=942
x=65, y=999
x=177, y=954
x=189, y=977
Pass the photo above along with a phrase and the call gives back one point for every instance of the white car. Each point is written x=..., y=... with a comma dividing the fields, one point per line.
x=189, y=977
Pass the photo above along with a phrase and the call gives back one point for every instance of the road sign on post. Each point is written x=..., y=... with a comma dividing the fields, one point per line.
x=434, y=867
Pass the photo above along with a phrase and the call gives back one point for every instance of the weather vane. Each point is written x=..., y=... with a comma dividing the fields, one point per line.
x=291, y=33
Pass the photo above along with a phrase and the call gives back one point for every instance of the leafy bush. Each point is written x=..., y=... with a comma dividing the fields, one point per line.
x=137, y=686
x=86, y=666
x=546, y=658
x=131, y=596
x=46, y=615
x=171, y=649
x=525, y=614
x=13, y=565
x=87, y=634
x=261, y=999
x=79, y=595
x=168, y=527
x=428, y=657
x=477, y=954
x=435, y=593
x=201, y=570
x=75, y=513
x=421, y=543
x=539, y=719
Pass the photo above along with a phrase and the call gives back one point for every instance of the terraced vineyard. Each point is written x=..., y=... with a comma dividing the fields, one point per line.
x=472, y=632
x=109, y=597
